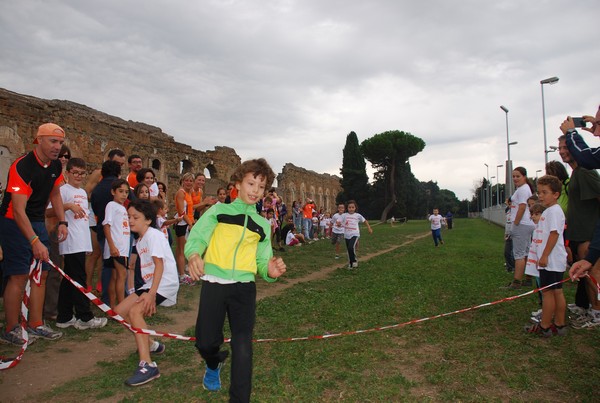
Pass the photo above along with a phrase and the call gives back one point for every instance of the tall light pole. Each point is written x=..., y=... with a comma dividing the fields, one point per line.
x=536, y=174
x=509, y=170
x=492, y=191
x=487, y=196
x=508, y=180
x=551, y=80
x=498, y=183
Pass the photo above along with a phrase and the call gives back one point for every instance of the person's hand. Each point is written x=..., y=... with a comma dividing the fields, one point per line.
x=543, y=262
x=114, y=251
x=148, y=301
x=40, y=251
x=595, y=125
x=62, y=233
x=579, y=269
x=370, y=230
x=567, y=125
x=276, y=267
x=196, y=267
x=78, y=211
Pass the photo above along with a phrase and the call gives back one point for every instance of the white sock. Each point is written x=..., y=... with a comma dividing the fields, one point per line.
x=154, y=346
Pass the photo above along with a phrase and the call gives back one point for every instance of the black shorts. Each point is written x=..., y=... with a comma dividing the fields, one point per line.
x=551, y=277
x=180, y=230
x=120, y=259
x=159, y=298
x=336, y=238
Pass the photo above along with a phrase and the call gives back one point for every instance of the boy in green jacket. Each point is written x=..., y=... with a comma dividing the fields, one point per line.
x=225, y=249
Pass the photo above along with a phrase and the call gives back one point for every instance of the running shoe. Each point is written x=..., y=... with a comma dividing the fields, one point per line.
x=212, y=378
x=45, y=332
x=145, y=373
x=69, y=323
x=94, y=323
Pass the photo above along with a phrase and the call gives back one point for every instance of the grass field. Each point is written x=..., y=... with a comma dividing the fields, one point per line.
x=474, y=356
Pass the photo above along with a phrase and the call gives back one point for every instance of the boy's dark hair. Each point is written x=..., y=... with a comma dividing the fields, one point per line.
x=76, y=163
x=117, y=183
x=115, y=151
x=352, y=202
x=552, y=182
x=148, y=209
x=537, y=208
x=268, y=199
x=534, y=197
x=132, y=157
x=137, y=189
x=557, y=169
x=141, y=174
x=159, y=204
x=270, y=210
x=257, y=167
x=110, y=168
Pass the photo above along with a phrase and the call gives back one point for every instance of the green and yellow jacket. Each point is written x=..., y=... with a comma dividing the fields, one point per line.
x=235, y=241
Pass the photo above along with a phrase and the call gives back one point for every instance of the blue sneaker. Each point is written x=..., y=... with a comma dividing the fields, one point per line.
x=144, y=374
x=212, y=378
x=157, y=348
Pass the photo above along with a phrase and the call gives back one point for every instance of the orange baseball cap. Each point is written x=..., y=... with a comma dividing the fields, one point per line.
x=49, y=129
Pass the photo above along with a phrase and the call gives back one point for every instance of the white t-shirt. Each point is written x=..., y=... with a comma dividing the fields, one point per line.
x=289, y=237
x=79, y=239
x=154, y=244
x=325, y=222
x=436, y=221
x=351, y=222
x=116, y=217
x=531, y=267
x=338, y=223
x=520, y=196
x=553, y=219
x=160, y=220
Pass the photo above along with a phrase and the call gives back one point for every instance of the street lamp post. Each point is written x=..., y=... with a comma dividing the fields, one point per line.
x=487, y=196
x=498, y=183
x=492, y=191
x=536, y=174
x=508, y=183
x=551, y=80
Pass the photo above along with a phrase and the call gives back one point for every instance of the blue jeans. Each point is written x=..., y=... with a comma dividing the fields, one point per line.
x=307, y=227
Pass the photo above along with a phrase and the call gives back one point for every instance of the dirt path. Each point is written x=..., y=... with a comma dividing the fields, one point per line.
x=39, y=372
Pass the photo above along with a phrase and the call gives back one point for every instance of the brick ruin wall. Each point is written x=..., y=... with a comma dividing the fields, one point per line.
x=92, y=134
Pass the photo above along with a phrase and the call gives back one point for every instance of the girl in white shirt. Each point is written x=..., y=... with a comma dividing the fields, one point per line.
x=160, y=286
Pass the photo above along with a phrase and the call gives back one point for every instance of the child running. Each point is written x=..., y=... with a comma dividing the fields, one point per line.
x=351, y=220
x=226, y=249
x=116, y=231
x=552, y=259
x=436, y=221
x=160, y=286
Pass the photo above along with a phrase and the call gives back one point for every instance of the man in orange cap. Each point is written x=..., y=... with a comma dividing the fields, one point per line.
x=33, y=180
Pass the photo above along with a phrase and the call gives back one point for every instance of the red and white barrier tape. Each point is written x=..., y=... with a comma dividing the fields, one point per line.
x=36, y=273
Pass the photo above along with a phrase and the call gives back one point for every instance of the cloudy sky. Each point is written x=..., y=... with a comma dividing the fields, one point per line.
x=288, y=80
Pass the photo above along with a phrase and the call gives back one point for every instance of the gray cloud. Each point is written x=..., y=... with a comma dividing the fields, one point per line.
x=289, y=79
